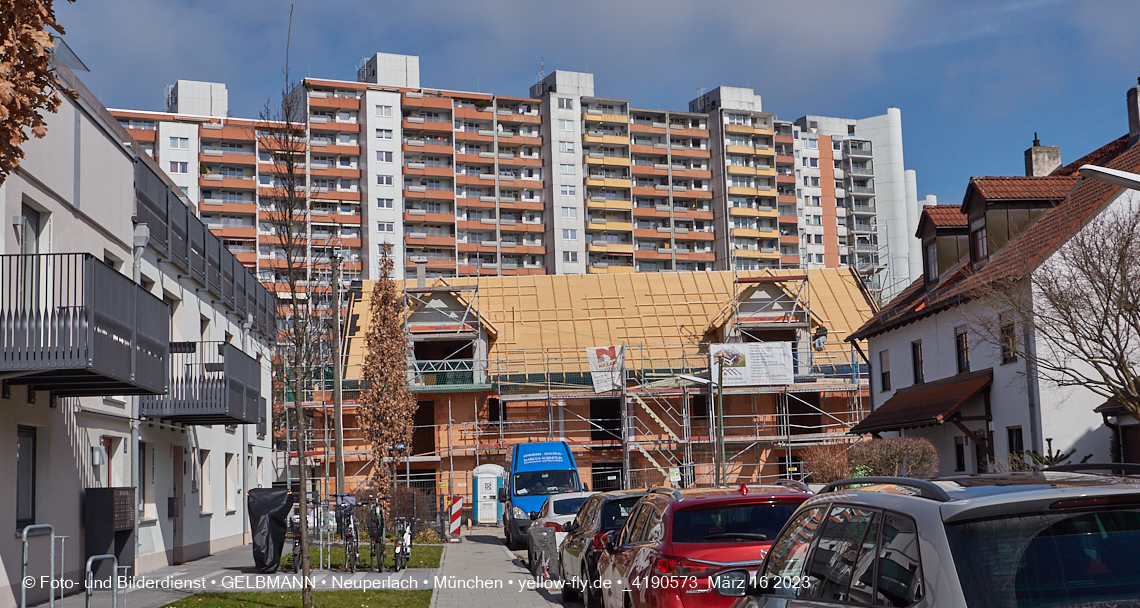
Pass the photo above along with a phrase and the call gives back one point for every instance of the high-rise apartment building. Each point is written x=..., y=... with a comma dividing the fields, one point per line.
x=563, y=181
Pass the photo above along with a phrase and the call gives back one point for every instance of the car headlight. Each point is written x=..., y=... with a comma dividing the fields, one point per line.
x=518, y=513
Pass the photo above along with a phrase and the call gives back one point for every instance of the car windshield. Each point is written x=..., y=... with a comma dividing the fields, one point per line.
x=615, y=512
x=544, y=483
x=730, y=523
x=569, y=506
x=1038, y=560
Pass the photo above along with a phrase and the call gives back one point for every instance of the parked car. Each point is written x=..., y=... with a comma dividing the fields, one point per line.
x=547, y=530
x=675, y=540
x=537, y=470
x=1022, y=540
x=578, y=554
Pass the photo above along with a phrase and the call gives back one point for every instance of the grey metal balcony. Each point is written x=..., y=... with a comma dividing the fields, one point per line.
x=72, y=325
x=210, y=383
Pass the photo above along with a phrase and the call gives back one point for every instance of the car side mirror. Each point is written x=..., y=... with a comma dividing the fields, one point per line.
x=585, y=488
x=503, y=494
x=608, y=541
x=533, y=515
x=731, y=583
x=570, y=527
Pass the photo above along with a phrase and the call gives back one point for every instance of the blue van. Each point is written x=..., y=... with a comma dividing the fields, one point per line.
x=536, y=470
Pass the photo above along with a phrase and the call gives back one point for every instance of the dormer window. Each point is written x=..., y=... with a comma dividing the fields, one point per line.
x=931, y=262
x=979, y=241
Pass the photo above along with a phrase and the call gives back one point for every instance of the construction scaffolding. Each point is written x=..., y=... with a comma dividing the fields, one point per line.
x=488, y=373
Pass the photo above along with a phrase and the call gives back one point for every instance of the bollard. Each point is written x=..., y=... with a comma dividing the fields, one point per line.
x=24, y=563
x=90, y=578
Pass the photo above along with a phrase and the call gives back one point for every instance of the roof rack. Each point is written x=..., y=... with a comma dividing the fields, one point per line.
x=925, y=488
x=1127, y=468
x=672, y=492
x=793, y=483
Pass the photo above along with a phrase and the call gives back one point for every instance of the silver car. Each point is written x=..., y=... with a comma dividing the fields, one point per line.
x=1059, y=537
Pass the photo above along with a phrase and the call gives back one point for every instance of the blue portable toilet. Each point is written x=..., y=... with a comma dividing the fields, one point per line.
x=486, y=508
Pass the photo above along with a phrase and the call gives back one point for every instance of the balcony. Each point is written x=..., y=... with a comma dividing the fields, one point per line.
x=72, y=325
x=447, y=375
x=210, y=383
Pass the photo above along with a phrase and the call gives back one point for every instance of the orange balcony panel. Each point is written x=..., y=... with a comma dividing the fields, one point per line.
x=649, y=212
x=336, y=149
x=338, y=218
x=636, y=127
x=521, y=140
x=786, y=199
x=694, y=173
x=429, y=218
x=433, y=126
x=230, y=133
x=693, y=214
x=475, y=114
x=474, y=159
x=430, y=171
x=697, y=256
x=790, y=260
x=649, y=233
x=333, y=126
x=474, y=203
x=642, y=149
x=347, y=242
x=475, y=247
x=430, y=241
x=142, y=134
x=474, y=180
x=234, y=208
x=234, y=232
x=473, y=136
x=644, y=170
x=651, y=254
x=785, y=159
x=228, y=183
x=446, y=195
x=334, y=102
x=649, y=191
x=247, y=258
x=785, y=179
x=690, y=153
x=427, y=101
x=433, y=263
x=694, y=236
x=335, y=172
x=701, y=194
x=464, y=270
x=789, y=219
x=531, y=250
x=790, y=239
x=688, y=132
x=473, y=225
x=524, y=205
x=337, y=196
x=516, y=118
x=783, y=139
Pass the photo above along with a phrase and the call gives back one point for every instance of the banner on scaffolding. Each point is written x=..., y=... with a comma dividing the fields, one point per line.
x=753, y=363
x=607, y=367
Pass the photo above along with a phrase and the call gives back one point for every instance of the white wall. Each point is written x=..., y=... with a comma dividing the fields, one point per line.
x=371, y=213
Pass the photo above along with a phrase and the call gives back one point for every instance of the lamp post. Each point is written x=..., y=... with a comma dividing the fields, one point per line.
x=1115, y=177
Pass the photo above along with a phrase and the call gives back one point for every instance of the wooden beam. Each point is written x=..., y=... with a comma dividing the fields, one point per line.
x=989, y=448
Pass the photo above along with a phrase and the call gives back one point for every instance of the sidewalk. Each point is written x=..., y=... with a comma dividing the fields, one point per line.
x=481, y=571
x=233, y=570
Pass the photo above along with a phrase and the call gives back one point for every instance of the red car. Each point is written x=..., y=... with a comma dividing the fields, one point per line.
x=674, y=540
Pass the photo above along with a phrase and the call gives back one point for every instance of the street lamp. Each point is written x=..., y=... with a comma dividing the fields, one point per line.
x=718, y=454
x=1111, y=176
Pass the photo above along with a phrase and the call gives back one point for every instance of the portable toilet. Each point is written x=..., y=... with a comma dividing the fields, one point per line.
x=488, y=478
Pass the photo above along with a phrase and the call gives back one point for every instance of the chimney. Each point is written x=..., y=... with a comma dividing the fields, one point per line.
x=1134, y=114
x=1042, y=160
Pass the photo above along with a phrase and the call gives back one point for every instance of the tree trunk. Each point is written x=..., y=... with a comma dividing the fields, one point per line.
x=306, y=590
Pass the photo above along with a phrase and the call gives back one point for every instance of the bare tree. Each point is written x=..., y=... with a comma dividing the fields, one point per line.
x=1080, y=307
x=27, y=85
x=281, y=133
x=387, y=408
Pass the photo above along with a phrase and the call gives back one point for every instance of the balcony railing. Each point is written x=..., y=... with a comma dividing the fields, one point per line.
x=446, y=374
x=72, y=325
x=210, y=383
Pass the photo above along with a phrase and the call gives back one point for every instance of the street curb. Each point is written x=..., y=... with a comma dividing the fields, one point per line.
x=434, y=589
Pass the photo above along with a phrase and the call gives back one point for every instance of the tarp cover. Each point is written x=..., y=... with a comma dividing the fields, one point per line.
x=269, y=510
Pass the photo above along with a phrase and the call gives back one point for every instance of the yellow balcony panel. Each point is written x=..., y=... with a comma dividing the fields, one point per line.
x=741, y=191
x=613, y=118
x=740, y=149
x=610, y=226
x=613, y=182
x=608, y=269
x=619, y=161
x=770, y=255
x=738, y=129
x=746, y=233
x=769, y=151
x=601, y=246
x=768, y=212
x=743, y=212
x=594, y=160
x=592, y=139
x=595, y=182
x=766, y=171
x=747, y=253
x=769, y=233
x=615, y=204
x=739, y=170
x=762, y=130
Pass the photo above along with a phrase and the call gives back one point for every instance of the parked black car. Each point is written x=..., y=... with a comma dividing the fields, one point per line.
x=578, y=557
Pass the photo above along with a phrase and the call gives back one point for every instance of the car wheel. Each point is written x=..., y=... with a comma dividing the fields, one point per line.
x=591, y=598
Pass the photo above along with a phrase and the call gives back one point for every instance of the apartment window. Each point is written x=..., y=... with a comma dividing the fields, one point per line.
x=383, y=156
x=565, y=103
x=231, y=483
x=565, y=146
x=1008, y=342
x=565, y=169
x=916, y=361
x=569, y=190
x=383, y=110
x=959, y=453
x=25, y=476
x=205, y=497
x=384, y=203
x=979, y=241
x=884, y=370
x=384, y=180
x=1015, y=440
x=569, y=234
x=569, y=212
x=962, y=350
x=385, y=227
x=736, y=119
x=176, y=167
x=569, y=256
x=383, y=133
x=565, y=125
x=812, y=144
x=179, y=143
x=932, y=262
x=819, y=258
x=349, y=139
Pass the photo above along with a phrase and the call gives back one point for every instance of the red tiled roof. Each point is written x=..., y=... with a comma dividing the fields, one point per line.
x=945, y=216
x=1028, y=249
x=1100, y=156
x=925, y=404
x=1024, y=188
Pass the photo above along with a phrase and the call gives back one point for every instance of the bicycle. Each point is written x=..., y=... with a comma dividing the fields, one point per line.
x=376, y=533
x=346, y=522
x=295, y=528
x=403, y=548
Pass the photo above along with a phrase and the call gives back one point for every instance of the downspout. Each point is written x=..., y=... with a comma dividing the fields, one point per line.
x=1032, y=392
x=245, y=327
x=1117, y=449
x=140, y=241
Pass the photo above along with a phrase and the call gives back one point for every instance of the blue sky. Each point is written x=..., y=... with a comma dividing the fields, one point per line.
x=974, y=80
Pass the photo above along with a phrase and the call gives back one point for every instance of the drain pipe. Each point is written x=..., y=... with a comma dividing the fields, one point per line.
x=141, y=240
x=248, y=454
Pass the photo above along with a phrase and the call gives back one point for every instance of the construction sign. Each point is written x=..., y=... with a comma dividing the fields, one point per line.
x=607, y=367
x=752, y=363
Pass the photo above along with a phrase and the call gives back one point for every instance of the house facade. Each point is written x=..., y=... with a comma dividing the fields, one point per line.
x=134, y=361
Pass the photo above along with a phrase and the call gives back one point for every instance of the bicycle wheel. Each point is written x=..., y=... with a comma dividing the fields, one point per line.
x=351, y=550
